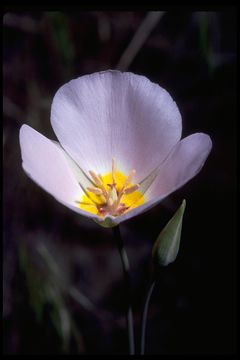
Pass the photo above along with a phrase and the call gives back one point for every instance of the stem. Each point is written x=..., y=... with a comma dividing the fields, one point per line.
x=144, y=321
x=125, y=265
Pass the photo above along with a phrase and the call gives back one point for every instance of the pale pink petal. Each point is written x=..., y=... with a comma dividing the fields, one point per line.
x=183, y=163
x=46, y=163
x=112, y=114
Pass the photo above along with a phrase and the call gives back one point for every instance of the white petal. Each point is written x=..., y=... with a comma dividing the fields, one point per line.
x=183, y=163
x=82, y=178
x=112, y=114
x=46, y=163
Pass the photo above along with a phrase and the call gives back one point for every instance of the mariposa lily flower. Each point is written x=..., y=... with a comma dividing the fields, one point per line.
x=119, y=151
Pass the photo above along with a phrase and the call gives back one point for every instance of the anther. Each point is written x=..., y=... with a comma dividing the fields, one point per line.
x=96, y=191
x=98, y=182
x=131, y=189
x=96, y=178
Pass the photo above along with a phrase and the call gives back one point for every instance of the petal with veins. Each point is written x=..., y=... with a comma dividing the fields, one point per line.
x=118, y=115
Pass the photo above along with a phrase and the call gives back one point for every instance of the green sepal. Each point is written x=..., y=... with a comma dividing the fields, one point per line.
x=108, y=222
x=166, y=247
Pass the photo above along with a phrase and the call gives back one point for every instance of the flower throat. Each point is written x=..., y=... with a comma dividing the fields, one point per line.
x=111, y=194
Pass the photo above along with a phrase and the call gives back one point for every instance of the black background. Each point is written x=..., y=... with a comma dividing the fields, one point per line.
x=192, y=311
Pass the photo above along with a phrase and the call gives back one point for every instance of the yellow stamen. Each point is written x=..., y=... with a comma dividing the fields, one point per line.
x=113, y=194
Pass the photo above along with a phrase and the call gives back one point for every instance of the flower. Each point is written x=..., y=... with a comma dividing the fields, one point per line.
x=119, y=151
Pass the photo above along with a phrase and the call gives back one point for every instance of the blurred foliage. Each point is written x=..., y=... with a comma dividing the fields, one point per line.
x=46, y=286
x=207, y=39
x=62, y=38
x=34, y=281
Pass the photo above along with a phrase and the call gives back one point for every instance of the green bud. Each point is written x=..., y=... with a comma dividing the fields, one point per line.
x=165, y=248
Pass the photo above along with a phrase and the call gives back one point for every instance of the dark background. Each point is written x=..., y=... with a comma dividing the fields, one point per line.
x=62, y=276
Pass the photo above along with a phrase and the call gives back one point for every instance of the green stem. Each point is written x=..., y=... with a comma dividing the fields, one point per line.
x=144, y=321
x=125, y=265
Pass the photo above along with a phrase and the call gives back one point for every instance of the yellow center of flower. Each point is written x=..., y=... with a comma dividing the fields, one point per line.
x=112, y=193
